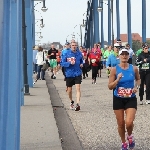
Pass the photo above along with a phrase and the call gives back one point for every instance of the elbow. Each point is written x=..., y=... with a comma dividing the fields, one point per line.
x=110, y=87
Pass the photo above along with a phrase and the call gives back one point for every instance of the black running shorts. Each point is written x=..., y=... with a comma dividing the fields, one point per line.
x=70, y=81
x=124, y=103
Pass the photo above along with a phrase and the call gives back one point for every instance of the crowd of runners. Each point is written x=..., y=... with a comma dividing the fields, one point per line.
x=125, y=78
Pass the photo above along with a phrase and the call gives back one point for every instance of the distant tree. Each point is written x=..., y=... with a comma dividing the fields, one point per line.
x=148, y=42
x=136, y=45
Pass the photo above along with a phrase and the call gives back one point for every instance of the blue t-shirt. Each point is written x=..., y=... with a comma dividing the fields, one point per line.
x=112, y=61
x=72, y=70
x=126, y=83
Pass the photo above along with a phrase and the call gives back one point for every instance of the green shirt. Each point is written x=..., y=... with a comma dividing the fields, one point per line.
x=138, y=52
x=107, y=53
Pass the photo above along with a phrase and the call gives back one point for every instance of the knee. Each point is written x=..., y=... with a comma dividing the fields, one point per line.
x=78, y=89
x=69, y=89
x=121, y=124
x=129, y=123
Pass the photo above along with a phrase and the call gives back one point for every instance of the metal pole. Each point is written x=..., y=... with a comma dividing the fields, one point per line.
x=112, y=23
x=81, y=33
x=143, y=20
x=24, y=49
x=43, y=3
x=118, y=19
x=109, y=22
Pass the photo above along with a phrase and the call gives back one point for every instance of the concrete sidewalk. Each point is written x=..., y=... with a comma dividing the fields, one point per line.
x=38, y=126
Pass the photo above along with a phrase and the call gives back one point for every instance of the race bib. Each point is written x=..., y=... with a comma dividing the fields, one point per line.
x=122, y=92
x=71, y=59
x=145, y=66
x=93, y=60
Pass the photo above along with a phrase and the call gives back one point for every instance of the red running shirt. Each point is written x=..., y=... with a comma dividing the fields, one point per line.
x=95, y=58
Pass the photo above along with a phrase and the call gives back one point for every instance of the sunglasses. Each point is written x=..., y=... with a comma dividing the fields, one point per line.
x=124, y=54
x=73, y=45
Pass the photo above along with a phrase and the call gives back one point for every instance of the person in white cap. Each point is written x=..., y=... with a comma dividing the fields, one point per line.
x=122, y=81
x=113, y=58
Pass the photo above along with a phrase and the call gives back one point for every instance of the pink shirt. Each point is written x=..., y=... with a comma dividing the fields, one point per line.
x=98, y=50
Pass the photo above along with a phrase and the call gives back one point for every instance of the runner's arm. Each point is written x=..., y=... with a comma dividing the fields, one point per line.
x=64, y=62
x=137, y=77
x=112, y=79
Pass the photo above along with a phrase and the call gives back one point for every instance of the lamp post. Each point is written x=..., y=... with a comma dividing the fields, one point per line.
x=67, y=37
x=24, y=49
x=81, y=25
x=99, y=9
x=44, y=9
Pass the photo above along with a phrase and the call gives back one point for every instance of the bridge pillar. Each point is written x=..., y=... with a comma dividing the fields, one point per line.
x=102, y=25
x=129, y=22
x=109, y=23
x=11, y=75
x=118, y=19
x=96, y=21
x=143, y=20
x=29, y=36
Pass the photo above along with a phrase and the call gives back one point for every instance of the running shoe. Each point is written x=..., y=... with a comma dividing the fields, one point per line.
x=77, y=108
x=72, y=105
x=141, y=102
x=131, y=141
x=124, y=146
x=52, y=76
x=148, y=101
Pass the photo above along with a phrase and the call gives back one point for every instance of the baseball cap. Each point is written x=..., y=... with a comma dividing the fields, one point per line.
x=145, y=45
x=118, y=40
x=67, y=43
x=116, y=45
x=123, y=50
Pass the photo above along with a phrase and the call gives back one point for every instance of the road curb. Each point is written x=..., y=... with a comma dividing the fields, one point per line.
x=67, y=134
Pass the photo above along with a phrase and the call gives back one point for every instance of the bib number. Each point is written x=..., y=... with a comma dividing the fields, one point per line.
x=72, y=59
x=122, y=92
x=93, y=60
x=145, y=66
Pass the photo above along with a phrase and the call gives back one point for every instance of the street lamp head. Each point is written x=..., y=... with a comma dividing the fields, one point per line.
x=42, y=25
x=44, y=9
x=99, y=9
x=41, y=37
x=83, y=25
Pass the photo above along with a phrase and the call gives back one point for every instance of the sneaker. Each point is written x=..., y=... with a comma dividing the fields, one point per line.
x=72, y=105
x=93, y=81
x=131, y=141
x=141, y=102
x=124, y=146
x=77, y=108
x=148, y=101
x=52, y=76
x=86, y=75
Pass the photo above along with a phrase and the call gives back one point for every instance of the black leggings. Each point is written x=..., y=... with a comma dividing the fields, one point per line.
x=84, y=69
x=145, y=79
x=94, y=72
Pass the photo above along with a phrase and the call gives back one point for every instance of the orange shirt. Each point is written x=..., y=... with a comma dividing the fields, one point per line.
x=58, y=56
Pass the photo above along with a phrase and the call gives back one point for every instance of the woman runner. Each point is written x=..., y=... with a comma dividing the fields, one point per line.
x=122, y=79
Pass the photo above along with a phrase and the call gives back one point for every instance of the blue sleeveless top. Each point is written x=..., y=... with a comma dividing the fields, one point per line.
x=126, y=83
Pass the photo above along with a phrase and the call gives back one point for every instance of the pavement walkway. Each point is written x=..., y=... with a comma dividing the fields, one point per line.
x=38, y=126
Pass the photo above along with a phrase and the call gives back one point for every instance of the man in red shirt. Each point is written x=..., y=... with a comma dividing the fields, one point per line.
x=94, y=59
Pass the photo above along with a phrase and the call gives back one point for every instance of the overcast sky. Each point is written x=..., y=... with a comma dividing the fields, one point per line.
x=63, y=15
